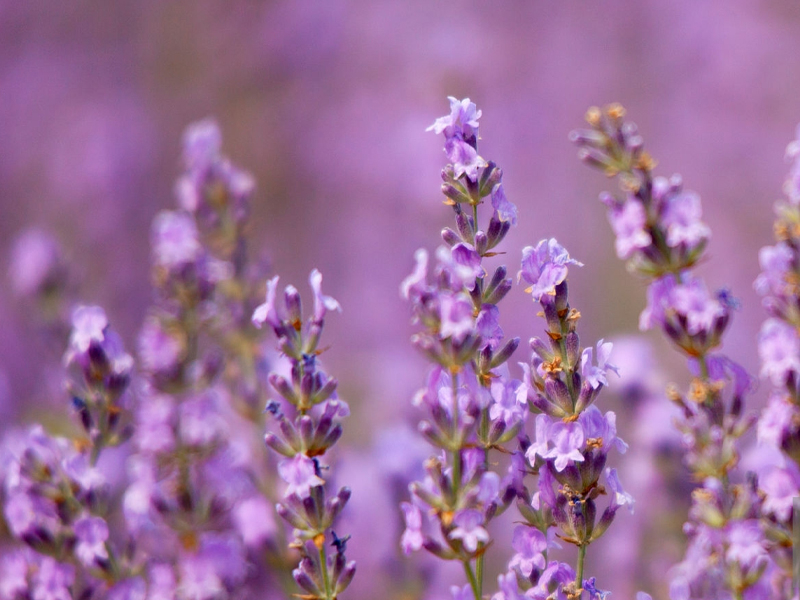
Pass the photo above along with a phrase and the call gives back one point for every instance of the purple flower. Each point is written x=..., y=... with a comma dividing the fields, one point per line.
x=556, y=572
x=14, y=573
x=198, y=581
x=464, y=157
x=567, y=439
x=776, y=263
x=301, y=475
x=175, y=239
x=89, y=324
x=775, y=421
x=746, y=544
x=202, y=142
x=53, y=580
x=545, y=496
x=509, y=587
x=596, y=375
x=489, y=489
x=779, y=349
x=461, y=264
x=693, y=301
x=254, y=521
x=681, y=218
x=91, y=534
x=415, y=284
x=456, y=316
x=412, y=536
x=35, y=262
x=155, y=428
x=658, y=301
x=159, y=351
x=267, y=312
x=781, y=485
x=200, y=420
x=597, y=425
x=541, y=442
x=129, y=589
x=162, y=582
x=530, y=545
x=322, y=304
x=505, y=406
x=461, y=122
x=628, y=222
x=505, y=209
x=462, y=593
x=589, y=585
x=619, y=496
x=469, y=529
x=487, y=324
x=545, y=266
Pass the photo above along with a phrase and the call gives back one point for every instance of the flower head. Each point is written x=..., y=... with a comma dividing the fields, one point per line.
x=545, y=266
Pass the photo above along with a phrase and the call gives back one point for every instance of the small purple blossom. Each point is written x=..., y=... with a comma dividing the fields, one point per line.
x=619, y=497
x=301, y=475
x=775, y=421
x=568, y=440
x=456, y=316
x=530, y=545
x=267, y=312
x=322, y=304
x=596, y=375
x=628, y=221
x=412, y=538
x=487, y=325
x=175, y=239
x=461, y=122
x=91, y=534
x=776, y=263
x=505, y=209
x=779, y=349
x=746, y=544
x=469, y=529
x=89, y=325
x=415, y=284
x=545, y=266
x=681, y=218
x=693, y=301
x=35, y=262
x=465, y=159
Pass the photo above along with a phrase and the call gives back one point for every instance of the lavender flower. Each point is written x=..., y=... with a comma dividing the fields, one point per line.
x=661, y=234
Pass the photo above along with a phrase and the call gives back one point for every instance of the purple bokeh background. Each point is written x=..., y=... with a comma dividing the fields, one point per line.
x=326, y=103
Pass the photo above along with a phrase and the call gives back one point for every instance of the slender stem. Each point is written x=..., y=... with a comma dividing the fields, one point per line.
x=456, y=451
x=323, y=566
x=479, y=572
x=579, y=569
x=473, y=582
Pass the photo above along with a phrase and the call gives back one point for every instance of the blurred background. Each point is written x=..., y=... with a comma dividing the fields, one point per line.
x=326, y=104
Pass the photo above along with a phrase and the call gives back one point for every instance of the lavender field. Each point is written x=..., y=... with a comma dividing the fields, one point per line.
x=263, y=338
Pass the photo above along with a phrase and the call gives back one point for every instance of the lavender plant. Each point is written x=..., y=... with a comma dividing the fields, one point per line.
x=659, y=232
x=198, y=513
x=473, y=406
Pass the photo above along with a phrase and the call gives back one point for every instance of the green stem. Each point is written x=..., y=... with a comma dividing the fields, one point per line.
x=479, y=572
x=323, y=566
x=579, y=569
x=473, y=581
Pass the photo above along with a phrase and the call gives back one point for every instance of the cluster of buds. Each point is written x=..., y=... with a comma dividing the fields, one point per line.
x=572, y=440
x=56, y=504
x=470, y=399
x=660, y=233
x=308, y=414
x=100, y=371
x=779, y=349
